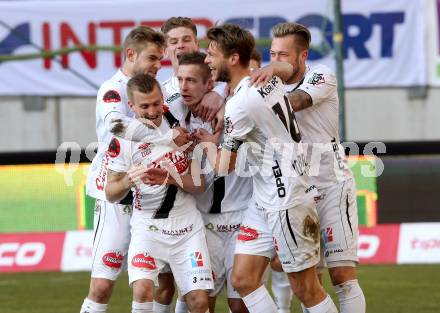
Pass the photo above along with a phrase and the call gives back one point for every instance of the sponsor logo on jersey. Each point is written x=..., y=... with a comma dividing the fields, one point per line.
x=316, y=79
x=111, y=96
x=268, y=88
x=114, y=148
x=196, y=259
x=227, y=228
x=247, y=234
x=113, y=259
x=172, y=98
x=143, y=260
x=178, y=232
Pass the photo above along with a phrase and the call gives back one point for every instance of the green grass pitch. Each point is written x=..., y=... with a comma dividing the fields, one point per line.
x=388, y=289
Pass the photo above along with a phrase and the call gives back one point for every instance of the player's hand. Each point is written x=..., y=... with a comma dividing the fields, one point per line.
x=218, y=122
x=181, y=137
x=203, y=135
x=136, y=175
x=261, y=76
x=157, y=176
x=209, y=106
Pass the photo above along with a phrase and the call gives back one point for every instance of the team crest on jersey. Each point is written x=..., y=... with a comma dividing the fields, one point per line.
x=114, y=148
x=111, y=96
x=316, y=79
x=113, y=259
x=178, y=158
x=228, y=125
x=145, y=149
x=196, y=259
x=143, y=260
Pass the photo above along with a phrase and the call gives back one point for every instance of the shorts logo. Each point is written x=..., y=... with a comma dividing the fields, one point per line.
x=114, y=148
x=113, y=259
x=247, y=234
x=143, y=260
x=196, y=259
x=111, y=96
x=327, y=234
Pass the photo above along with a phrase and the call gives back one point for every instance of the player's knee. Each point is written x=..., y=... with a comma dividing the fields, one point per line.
x=164, y=293
x=340, y=275
x=143, y=290
x=244, y=284
x=237, y=306
x=197, y=301
x=100, y=290
x=306, y=286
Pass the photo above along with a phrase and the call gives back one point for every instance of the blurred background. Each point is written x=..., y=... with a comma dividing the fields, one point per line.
x=55, y=54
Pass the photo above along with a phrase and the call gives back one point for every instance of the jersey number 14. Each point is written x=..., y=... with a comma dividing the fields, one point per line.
x=287, y=117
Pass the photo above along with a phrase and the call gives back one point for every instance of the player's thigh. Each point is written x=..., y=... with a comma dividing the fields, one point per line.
x=339, y=224
x=190, y=263
x=217, y=252
x=111, y=239
x=296, y=233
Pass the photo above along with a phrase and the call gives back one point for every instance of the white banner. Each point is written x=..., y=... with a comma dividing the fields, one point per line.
x=77, y=251
x=384, y=39
x=419, y=243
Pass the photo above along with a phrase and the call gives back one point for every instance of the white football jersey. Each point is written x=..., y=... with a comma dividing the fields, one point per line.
x=161, y=200
x=262, y=119
x=319, y=126
x=222, y=194
x=112, y=97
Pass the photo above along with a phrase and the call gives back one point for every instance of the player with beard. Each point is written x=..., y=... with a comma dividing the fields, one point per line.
x=225, y=198
x=313, y=95
x=284, y=218
x=143, y=50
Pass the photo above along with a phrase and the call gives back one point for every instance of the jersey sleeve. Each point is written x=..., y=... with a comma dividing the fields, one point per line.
x=110, y=100
x=119, y=155
x=134, y=130
x=238, y=125
x=319, y=83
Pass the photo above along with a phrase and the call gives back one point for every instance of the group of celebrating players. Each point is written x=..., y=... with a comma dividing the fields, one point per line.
x=220, y=173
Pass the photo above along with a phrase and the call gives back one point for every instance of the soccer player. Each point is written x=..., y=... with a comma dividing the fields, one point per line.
x=166, y=227
x=225, y=198
x=143, y=49
x=313, y=96
x=181, y=37
x=285, y=217
x=255, y=61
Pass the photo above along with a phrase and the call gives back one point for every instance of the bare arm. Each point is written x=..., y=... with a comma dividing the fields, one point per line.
x=299, y=100
x=222, y=160
x=283, y=70
x=118, y=186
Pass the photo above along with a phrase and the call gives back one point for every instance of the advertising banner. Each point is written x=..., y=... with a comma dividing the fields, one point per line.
x=419, y=243
x=31, y=252
x=38, y=38
x=378, y=245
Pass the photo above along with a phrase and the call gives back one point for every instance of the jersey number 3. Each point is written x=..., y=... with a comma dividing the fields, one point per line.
x=288, y=118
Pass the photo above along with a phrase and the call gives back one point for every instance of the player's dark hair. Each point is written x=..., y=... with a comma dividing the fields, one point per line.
x=142, y=83
x=300, y=32
x=256, y=56
x=140, y=36
x=178, y=21
x=232, y=39
x=196, y=58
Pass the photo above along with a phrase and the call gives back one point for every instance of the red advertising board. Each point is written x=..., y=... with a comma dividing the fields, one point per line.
x=31, y=252
x=378, y=245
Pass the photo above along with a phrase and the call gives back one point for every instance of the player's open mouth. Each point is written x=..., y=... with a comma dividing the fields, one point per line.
x=186, y=97
x=152, y=118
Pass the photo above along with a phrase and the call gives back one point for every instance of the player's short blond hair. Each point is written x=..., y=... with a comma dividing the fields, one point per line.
x=179, y=21
x=300, y=32
x=138, y=38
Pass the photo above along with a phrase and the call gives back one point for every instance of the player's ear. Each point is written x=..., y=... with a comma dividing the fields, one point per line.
x=304, y=55
x=130, y=104
x=210, y=84
x=234, y=59
x=130, y=54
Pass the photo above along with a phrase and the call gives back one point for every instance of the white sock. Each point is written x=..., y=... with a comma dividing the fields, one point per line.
x=90, y=306
x=144, y=307
x=161, y=308
x=281, y=291
x=326, y=306
x=260, y=301
x=181, y=306
x=351, y=298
